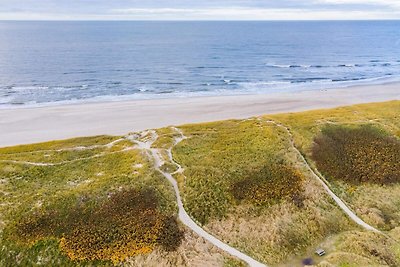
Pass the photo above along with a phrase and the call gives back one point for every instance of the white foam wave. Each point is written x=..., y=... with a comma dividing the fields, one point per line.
x=29, y=88
x=260, y=87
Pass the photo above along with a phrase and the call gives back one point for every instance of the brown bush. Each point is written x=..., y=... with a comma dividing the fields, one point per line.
x=357, y=155
x=170, y=236
x=271, y=183
x=126, y=224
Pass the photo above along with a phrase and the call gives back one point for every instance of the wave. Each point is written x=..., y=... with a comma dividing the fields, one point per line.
x=210, y=67
x=26, y=96
x=281, y=66
x=278, y=66
x=316, y=83
x=28, y=88
x=80, y=72
x=344, y=65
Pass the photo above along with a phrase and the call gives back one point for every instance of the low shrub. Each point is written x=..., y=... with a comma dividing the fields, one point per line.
x=271, y=183
x=126, y=224
x=362, y=154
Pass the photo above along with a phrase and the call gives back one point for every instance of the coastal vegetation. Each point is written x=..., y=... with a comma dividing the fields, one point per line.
x=99, y=201
x=363, y=172
x=270, y=184
x=244, y=183
x=218, y=156
x=93, y=201
x=362, y=154
x=128, y=223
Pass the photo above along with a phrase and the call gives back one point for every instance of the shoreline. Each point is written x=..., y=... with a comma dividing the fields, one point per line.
x=131, y=98
x=40, y=124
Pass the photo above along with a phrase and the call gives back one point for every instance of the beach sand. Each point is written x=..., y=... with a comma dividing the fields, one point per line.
x=31, y=125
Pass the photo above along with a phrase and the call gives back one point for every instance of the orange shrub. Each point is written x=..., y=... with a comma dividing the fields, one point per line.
x=272, y=183
x=126, y=224
x=357, y=154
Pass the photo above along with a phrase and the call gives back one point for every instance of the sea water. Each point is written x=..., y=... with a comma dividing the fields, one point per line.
x=47, y=63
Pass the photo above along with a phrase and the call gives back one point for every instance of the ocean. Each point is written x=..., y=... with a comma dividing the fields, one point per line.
x=48, y=63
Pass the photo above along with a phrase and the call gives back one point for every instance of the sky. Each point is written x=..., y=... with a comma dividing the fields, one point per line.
x=199, y=9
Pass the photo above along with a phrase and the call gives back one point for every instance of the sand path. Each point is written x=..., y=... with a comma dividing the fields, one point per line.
x=155, y=153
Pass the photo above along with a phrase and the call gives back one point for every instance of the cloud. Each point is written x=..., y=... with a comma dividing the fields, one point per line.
x=390, y=4
x=199, y=10
x=240, y=13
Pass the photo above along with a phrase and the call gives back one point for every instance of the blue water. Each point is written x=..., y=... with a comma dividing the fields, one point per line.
x=57, y=62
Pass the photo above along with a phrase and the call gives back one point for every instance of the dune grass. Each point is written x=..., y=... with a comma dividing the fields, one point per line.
x=378, y=205
x=60, y=144
x=243, y=182
x=357, y=248
x=76, y=203
x=218, y=156
x=86, y=207
x=306, y=125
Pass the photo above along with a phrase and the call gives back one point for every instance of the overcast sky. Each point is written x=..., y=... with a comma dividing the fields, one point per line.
x=198, y=9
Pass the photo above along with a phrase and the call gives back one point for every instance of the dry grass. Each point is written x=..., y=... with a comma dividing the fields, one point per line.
x=277, y=233
x=377, y=205
x=194, y=252
x=357, y=248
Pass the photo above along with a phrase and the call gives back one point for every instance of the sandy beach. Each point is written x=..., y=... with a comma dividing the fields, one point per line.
x=31, y=125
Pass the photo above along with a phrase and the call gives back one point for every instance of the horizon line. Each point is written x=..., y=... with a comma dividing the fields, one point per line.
x=189, y=20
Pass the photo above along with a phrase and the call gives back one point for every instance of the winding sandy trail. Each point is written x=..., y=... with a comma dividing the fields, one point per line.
x=324, y=183
x=182, y=214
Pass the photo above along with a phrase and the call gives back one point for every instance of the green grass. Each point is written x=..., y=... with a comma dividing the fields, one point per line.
x=60, y=144
x=85, y=178
x=165, y=138
x=52, y=156
x=229, y=262
x=218, y=155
